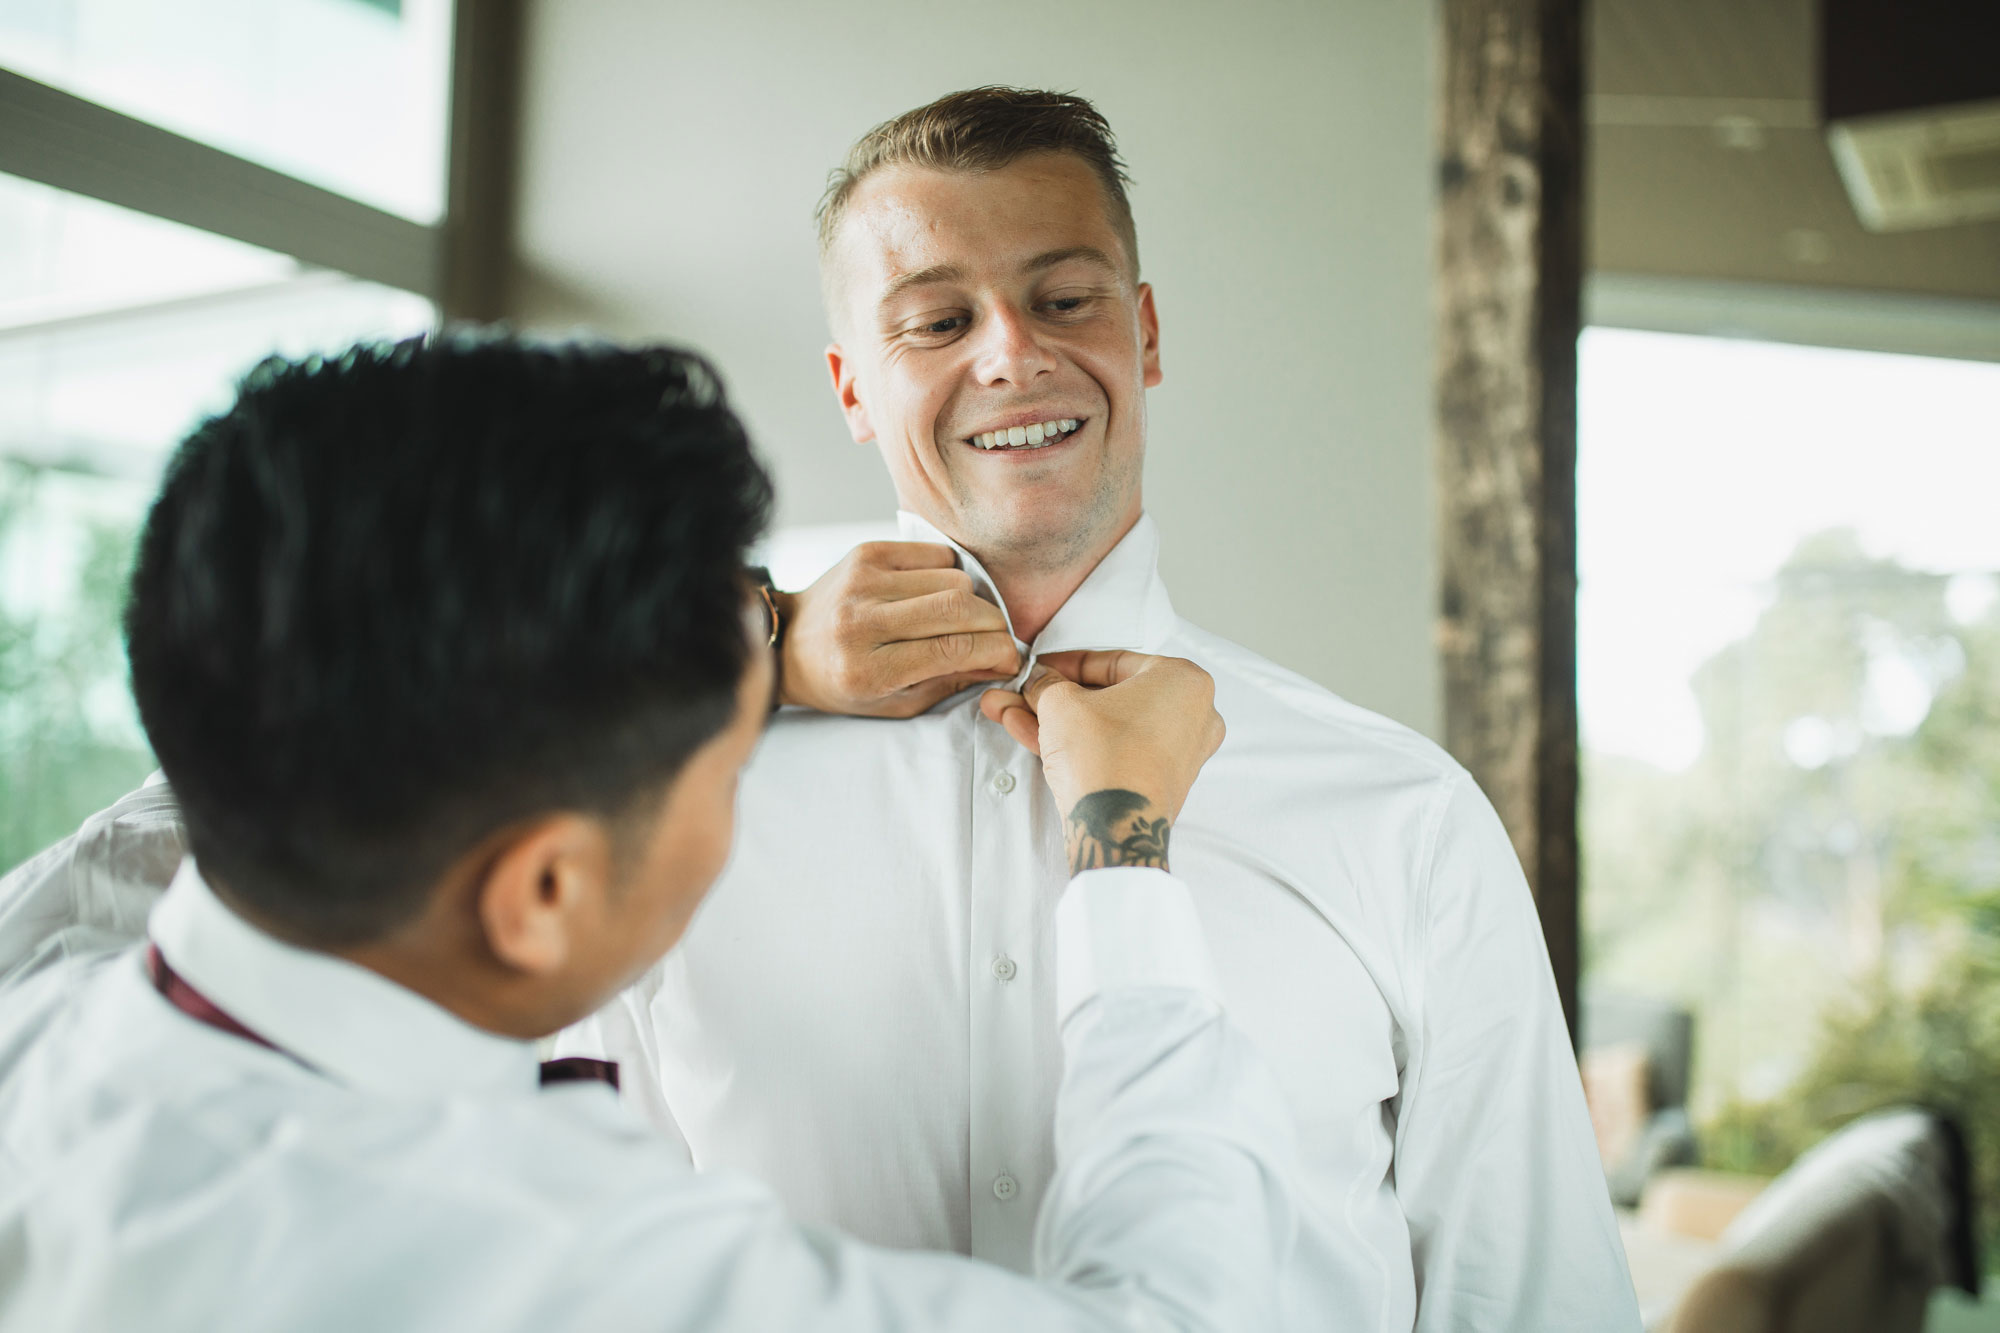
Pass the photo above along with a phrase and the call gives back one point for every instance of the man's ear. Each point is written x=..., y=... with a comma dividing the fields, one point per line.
x=1149, y=336
x=848, y=392
x=547, y=885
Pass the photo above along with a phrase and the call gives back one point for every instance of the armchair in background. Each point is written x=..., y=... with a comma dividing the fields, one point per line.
x=1637, y=1054
x=1853, y=1238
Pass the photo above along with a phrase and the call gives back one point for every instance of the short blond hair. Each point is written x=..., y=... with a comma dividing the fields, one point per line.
x=984, y=129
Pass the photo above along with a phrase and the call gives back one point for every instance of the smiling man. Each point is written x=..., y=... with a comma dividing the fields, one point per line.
x=994, y=342
x=1025, y=441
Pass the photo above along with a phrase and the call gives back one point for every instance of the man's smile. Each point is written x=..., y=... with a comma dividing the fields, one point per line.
x=1027, y=435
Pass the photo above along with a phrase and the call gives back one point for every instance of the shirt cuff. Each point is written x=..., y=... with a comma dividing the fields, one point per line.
x=1128, y=927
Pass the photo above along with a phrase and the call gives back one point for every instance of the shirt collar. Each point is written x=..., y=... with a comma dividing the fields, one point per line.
x=1122, y=604
x=342, y=1019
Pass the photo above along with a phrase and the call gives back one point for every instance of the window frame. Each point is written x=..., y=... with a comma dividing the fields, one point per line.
x=459, y=263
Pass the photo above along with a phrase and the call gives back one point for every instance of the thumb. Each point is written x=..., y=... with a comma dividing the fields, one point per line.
x=1040, y=681
x=1011, y=711
x=1099, y=668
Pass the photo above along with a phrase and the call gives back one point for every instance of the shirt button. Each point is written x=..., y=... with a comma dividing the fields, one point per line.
x=1003, y=968
x=1003, y=782
x=1004, y=1187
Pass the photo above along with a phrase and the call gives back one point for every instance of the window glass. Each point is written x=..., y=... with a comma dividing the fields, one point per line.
x=1789, y=682
x=117, y=333
x=347, y=94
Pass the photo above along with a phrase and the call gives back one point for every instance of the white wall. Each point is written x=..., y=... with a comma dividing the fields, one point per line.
x=673, y=153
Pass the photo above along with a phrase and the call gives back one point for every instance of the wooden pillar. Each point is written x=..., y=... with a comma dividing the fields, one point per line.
x=487, y=37
x=1509, y=308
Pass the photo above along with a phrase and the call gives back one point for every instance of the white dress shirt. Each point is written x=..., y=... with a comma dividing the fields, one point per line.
x=390, y=1167
x=863, y=1012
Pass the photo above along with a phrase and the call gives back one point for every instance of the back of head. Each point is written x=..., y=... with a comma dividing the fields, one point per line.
x=391, y=602
x=984, y=129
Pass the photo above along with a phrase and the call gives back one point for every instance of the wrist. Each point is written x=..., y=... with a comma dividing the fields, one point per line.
x=784, y=606
x=1115, y=826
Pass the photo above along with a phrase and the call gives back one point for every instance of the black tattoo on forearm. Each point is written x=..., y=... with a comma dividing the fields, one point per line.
x=1116, y=828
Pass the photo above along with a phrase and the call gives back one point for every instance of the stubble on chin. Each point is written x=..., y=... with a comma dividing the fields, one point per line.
x=1020, y=539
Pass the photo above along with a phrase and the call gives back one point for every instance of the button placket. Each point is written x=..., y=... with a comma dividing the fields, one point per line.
x=1014, y=1061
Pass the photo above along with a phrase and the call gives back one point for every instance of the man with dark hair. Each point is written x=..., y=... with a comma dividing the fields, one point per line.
x=447, y=652
x=357, y=648
x=993, y=339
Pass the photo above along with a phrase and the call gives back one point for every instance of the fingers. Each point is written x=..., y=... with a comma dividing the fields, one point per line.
x=1096, y=668
x=994, y=703
x=947, y=611
x=891, y=585
x=987, y=655
x=1025, y=728
x=907, y=555
x=1011, y=711
x=912, y=700
x=931, y=692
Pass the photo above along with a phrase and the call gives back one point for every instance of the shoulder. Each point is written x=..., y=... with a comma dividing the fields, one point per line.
x=137, y=839
x=1274, y=713
x=93, y=890
x=572, y=1197
x=58, y=995
x=1353, y=808
x=1349, y=788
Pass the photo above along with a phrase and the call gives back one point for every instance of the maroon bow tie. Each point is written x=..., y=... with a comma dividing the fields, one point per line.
x=184, y=997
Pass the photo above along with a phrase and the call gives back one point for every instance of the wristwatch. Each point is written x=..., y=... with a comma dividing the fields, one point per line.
x=760, y=578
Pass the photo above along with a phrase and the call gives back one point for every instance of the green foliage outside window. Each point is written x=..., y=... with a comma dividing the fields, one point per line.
x=1822, y=886
x=68, y=745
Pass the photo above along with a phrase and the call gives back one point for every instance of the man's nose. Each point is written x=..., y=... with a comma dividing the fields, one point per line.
x=1010, y=350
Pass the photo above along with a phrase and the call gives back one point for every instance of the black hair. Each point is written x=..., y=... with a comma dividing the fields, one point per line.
x=395, y=600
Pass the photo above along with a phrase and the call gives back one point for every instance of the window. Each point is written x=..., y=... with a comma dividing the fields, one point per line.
x=345, y=94
x=1789, y=684
x=120, y=329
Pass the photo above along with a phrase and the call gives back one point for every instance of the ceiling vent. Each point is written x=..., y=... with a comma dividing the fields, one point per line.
x=1910, y=94
x=1923, y=169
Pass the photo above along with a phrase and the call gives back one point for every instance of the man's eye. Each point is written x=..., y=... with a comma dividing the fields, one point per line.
x=1065, y=305
x=940, y=327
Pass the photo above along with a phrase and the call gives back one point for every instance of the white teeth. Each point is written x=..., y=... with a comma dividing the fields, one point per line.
x=1017, y=437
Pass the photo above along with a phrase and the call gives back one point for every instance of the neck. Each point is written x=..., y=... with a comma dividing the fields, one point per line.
x=447, y=981
x=1034, y=590
x=443, y=955
x=1033, y=597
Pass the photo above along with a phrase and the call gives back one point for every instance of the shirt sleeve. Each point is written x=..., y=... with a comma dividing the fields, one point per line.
x=1171, y=1208
x=1496, y=1167
x=92, y=892
x=1173, y=1201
